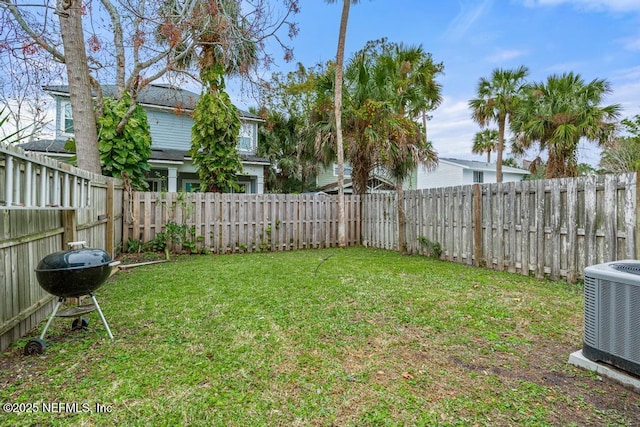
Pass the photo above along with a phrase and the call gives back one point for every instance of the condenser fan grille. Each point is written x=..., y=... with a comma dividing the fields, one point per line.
x=627, y=267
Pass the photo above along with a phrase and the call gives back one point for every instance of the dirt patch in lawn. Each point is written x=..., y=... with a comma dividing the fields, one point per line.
x=138, y=257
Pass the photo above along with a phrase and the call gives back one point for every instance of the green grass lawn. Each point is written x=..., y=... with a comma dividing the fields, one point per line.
x=319, y=337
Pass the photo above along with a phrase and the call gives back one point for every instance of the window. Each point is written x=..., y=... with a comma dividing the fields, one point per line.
x=67, y=119
x=247, y=138
x=191, y=185
x=478, y=177
x=347, y=170
x=157, y=184
x=244, y=187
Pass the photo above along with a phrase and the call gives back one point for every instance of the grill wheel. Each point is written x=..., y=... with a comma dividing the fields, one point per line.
x=35, y=346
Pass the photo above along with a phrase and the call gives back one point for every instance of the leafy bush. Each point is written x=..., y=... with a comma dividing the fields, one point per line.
x=123, y=154
x=126, y=153
x=158, y=244
x=431, y=249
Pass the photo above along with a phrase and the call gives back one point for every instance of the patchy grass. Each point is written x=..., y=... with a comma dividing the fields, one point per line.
x=319, y=337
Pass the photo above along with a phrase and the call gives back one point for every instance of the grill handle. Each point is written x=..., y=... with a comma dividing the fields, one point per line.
x=82, y=243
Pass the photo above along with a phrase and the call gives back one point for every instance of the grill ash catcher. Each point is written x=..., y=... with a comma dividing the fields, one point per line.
x=72, y=274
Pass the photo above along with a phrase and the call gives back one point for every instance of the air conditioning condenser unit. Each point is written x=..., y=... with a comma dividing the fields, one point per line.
x=612, y=314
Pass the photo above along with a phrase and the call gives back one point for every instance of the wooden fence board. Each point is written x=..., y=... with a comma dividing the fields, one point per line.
x=243, y=222
x=28, y=235
x=551, y=228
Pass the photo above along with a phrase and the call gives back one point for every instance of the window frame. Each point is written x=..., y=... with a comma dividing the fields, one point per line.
x=248, y=130
x=348, y=169
x=66, y=115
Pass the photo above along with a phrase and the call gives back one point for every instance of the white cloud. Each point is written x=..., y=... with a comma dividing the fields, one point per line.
x=564, y=67
x=452, y=130
x=631, y=43
x=626, y=90
x=505, y=55
x=613, y=5
x=466, y=18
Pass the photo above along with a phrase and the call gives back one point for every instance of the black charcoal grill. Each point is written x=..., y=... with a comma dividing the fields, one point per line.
x=72, y=274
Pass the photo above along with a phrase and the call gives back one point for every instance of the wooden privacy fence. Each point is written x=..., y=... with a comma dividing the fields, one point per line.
x=40, y=218
x=547, y=228
x=227, y=223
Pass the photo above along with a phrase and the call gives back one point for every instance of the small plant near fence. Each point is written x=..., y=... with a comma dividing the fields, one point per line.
x=133, y=245
x=431, y=249
x=265, y=237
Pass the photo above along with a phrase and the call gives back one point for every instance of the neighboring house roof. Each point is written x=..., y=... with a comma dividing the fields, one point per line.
x=375, y=182
x=482, y=166
x=163, y=154
x=46, y=146
x=155, y=95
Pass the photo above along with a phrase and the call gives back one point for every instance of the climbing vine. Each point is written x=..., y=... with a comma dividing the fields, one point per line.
x=124, y=154
x=216, y=126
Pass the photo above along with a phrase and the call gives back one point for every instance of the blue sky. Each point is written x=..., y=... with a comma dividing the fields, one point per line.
x=595, y=38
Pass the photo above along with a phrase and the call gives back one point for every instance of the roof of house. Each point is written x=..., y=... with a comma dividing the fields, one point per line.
x=376, y=181
x=57, y=147
x=46, y=146
x=155, y=95
x=482, y=166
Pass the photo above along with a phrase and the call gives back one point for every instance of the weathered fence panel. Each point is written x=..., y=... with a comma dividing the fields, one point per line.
x=545, y=228
x=229, y=223
x=30, y=231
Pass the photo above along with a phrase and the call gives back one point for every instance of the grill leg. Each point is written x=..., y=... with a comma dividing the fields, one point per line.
x=104, y=321
x=55, y=310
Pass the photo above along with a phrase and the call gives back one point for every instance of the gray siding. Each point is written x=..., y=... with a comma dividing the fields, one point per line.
x=326, y=177
x=444, y=176
x=170, y=130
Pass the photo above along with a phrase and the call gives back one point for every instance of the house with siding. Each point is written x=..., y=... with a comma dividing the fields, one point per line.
x=169, y=113
x=449, y=172
x=379, y=181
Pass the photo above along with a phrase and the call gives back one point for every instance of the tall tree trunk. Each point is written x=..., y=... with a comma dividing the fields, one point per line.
x=342, y=241
x=501, y=125
x=402, y=220
x=424, y=125
x=84, y=120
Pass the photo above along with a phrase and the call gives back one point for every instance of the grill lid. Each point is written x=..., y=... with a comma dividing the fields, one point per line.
x=74, y=259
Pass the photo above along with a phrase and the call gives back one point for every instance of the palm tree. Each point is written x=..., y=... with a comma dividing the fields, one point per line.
x=496, y=101
x=404, y=151
x=409, y=74
x=338, y=114
x=485, y=141
x=384, y=82
x=558, y=113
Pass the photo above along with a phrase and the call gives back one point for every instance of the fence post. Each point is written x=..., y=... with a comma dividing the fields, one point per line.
x=126, y=195
x=69, y=224
x=477, y=224
x=110, y=238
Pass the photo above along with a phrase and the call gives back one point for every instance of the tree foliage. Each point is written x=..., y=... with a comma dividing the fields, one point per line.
x=557, y=113
x=289, y=136
x=622, y=154
x=147, y=40
x=390, y=85
x=124, y=154
x=216, y=125
x=486, y=141
x=497, y=99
